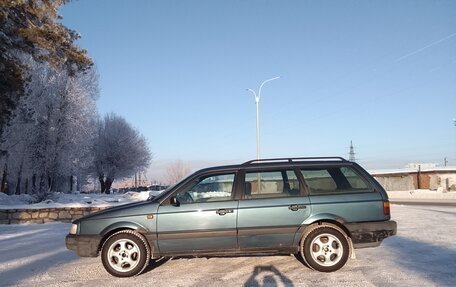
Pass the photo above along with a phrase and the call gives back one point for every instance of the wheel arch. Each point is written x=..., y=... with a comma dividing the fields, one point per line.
x=320, y=219
x=119, y=226
x=336, y=223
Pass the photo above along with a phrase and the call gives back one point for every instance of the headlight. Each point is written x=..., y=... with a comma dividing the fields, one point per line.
x=74, y=229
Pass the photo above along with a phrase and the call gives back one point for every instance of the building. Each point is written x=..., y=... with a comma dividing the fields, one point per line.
x=433, y=178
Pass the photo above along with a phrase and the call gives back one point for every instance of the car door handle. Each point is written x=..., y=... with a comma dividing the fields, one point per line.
x=296, y=207
x=224, y=211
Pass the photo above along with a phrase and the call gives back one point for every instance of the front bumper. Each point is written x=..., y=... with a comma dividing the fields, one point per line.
x=371, y=234
x=83, y=245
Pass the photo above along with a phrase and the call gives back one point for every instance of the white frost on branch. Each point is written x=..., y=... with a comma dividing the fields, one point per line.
x=51, y=133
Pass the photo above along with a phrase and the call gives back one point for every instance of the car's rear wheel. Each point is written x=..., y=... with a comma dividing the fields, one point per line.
x=325, y=249
x=125, y=253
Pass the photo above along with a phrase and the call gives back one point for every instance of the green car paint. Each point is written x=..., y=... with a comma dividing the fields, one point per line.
x=266, y=215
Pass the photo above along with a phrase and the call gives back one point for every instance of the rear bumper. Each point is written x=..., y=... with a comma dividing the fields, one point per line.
x=83, y=245
x=371, y=234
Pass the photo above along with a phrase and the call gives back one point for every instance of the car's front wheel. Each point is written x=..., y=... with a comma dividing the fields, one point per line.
x=125, y=253
x=325, y=249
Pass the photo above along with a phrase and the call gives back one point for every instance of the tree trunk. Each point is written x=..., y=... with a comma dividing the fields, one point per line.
x=18, y=185
x=42, y=183
x=33, y=183
x=108, y=185
x=3, y=185
x=26, y=185
x=71, y=183
x=50, y=183
x=78, y=183
x=102, y=183
x=19, y=178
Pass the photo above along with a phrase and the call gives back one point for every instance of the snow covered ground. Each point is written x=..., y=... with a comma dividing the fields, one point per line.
x=422, y=254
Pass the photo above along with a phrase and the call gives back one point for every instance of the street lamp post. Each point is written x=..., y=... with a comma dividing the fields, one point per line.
x=257, y=103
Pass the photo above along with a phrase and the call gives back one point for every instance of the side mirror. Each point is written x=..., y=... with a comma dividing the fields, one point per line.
x=174, y=201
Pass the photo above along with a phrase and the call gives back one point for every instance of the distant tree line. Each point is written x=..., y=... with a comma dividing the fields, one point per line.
x=175, y=171
x=51, y=137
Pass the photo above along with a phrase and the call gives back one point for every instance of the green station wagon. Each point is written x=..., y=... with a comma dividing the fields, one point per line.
x=319, y=209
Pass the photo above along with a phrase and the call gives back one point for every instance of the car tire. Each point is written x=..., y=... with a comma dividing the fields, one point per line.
x=325, y=248
x=125, y=254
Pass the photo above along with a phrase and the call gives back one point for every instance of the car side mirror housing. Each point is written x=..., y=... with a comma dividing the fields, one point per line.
x=174, y=201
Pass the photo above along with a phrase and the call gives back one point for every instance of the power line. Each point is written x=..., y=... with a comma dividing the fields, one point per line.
x=425, y=47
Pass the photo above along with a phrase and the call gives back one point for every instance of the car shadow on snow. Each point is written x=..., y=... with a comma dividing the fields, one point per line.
x=433, y=262
x=262, y=275
x=267, y=275
x=155, y=263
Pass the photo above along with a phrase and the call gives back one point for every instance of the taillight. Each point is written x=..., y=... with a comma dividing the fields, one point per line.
x=386, y=207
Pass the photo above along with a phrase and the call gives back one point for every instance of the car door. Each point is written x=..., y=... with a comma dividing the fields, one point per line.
x=272, y=209
x=202, y=219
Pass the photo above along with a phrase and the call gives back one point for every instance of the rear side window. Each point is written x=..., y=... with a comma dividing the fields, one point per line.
x=267, y=184
x=334, y=180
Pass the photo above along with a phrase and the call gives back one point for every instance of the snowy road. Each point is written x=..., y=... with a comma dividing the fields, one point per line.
x=422, y=254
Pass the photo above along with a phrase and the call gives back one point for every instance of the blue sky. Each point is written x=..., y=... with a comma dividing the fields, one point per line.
x=380, y=73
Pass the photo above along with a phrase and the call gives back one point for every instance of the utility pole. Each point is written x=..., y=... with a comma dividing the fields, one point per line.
x=351, y=154
x=445, y=161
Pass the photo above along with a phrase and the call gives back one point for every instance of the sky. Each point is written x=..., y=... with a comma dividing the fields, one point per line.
x=379, y=73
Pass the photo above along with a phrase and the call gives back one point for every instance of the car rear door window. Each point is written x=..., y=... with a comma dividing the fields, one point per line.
x=266, y=184
x=334, y=180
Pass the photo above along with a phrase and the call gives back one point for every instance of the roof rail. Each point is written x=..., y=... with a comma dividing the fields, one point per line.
x=295, y=159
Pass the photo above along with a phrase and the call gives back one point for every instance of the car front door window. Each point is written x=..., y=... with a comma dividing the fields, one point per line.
x=208, y=189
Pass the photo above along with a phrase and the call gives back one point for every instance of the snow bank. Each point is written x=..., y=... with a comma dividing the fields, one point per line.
x=17, y=199
x=59, y=199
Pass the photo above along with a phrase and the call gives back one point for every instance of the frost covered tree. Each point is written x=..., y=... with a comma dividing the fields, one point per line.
x=50, y=137
x=32, y=27
x=119, y=151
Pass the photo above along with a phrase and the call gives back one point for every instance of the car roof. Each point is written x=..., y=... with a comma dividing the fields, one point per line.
x=278, y=163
